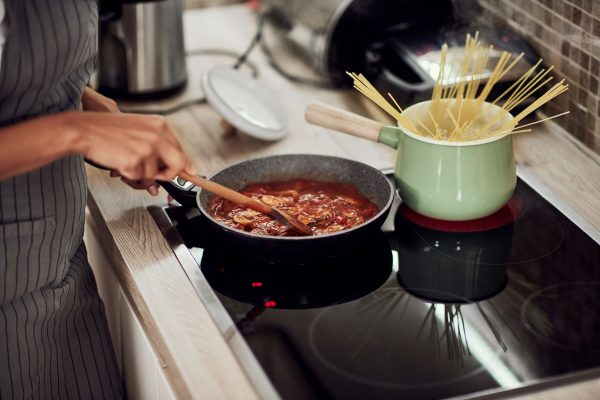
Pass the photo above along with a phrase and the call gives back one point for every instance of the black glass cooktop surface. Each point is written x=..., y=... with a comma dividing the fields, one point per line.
x=432, y=310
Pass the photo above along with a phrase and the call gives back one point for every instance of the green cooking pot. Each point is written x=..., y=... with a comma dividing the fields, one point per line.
x=447, y=180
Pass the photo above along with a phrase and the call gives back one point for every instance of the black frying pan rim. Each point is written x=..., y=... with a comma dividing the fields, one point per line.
x=227, y=228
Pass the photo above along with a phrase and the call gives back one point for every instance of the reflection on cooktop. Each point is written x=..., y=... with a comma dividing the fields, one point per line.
x=508, y=214
x=428, y=311
x=436, y=334
x=301, y=282
x=532, y=235
x=566, y=316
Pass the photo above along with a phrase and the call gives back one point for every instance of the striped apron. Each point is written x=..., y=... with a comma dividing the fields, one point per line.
x=54, y=341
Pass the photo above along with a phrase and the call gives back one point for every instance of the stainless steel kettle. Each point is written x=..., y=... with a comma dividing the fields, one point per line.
x=141, y=49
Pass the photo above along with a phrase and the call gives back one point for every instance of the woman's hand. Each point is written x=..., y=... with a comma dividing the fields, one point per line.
x=94, y=101
x=136, y=147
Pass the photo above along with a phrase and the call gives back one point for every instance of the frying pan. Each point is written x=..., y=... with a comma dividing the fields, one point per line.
x=369, y=181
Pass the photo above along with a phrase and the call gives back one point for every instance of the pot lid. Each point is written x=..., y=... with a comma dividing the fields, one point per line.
x=245, y=103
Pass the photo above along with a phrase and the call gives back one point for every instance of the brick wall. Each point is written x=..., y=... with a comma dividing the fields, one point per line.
x=566, y=33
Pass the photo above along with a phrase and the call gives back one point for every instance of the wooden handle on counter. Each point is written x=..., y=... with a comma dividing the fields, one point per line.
x=227, y=193
x=335, y=118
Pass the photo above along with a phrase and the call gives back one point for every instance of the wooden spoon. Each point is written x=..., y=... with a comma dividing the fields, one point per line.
x=249, y=202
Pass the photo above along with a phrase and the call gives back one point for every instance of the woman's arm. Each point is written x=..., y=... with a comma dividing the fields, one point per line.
x=137, y=147
x=29, y=145
x=94, y=101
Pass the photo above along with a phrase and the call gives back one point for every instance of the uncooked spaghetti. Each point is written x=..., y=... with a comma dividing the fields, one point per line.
x=460, y=108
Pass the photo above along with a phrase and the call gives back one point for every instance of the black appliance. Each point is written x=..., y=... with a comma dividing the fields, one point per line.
x=430, y=310
x=394, y=43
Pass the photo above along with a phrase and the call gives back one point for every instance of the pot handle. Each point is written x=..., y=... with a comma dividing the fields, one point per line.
x=390, y=136
x=340, y=120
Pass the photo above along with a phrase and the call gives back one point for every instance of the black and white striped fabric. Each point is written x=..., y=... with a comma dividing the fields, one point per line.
x=54, y=342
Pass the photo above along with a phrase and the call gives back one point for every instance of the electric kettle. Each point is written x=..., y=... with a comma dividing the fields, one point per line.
x=141, y=48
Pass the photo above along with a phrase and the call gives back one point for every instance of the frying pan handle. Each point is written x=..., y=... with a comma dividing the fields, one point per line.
x=335, y=118
x=95, y=164
x=183, y=191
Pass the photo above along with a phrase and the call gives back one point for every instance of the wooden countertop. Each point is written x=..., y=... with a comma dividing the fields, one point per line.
x=194, y=355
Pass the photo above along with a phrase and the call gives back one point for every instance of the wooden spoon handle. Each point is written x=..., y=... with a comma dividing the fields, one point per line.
x=227, y=193
x=335, y=118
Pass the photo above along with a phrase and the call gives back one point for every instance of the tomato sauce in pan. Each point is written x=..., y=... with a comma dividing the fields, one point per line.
x=324, y=206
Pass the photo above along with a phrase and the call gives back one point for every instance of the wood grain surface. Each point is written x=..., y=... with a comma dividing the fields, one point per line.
x=565, y=166
x=196, y=358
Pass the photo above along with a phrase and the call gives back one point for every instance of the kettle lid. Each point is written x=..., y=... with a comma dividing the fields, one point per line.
x=245, y=103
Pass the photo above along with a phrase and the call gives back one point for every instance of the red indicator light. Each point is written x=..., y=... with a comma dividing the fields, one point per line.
x=256, y=284
x=270, y=304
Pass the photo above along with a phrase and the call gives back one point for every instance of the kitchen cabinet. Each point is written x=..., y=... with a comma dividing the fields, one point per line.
x=140, y=367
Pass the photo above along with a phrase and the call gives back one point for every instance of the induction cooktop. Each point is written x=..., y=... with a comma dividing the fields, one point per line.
x=422, y=309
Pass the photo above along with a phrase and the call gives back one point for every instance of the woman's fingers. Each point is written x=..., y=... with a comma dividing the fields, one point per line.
x=148, y=184
x=139, y=184
x=149, y=127
x=153, y=189
x=151, y=167
x=174, y=161
x=133, y=173
x=190, y=169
